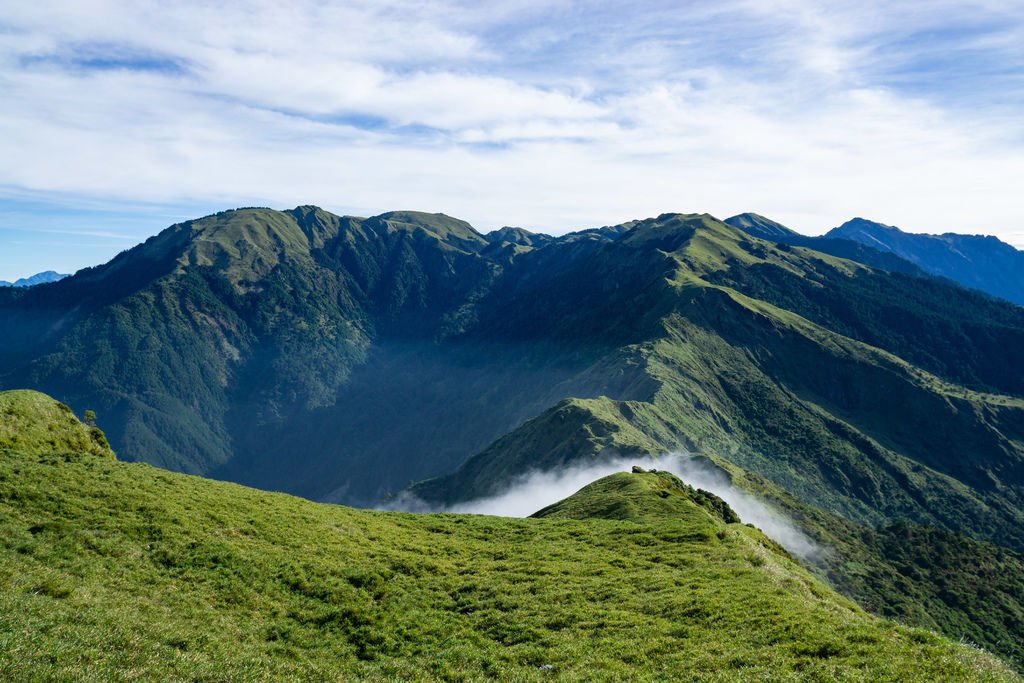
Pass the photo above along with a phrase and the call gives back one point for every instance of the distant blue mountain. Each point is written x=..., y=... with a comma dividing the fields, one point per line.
x=767, y=229
x=37, y=279
x=977, y=261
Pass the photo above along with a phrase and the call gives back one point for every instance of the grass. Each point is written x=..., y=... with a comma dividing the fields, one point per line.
x=32, y=421
x=641, y=496
x=116, y=571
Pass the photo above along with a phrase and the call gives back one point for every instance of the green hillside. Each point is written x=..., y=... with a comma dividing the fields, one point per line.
x=31, y=422
x=641, y=496
x=343, y=358
x=113, y=570
x=972, y=591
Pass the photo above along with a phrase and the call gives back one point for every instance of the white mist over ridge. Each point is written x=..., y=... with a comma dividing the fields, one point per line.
x=535, y=490
x=701, y=474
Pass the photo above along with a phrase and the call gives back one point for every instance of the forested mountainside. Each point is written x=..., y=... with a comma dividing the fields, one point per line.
x=341, y=358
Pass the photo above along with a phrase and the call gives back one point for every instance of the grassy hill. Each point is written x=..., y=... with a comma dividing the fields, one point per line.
x=641, y=496
x=341, y=358
x=113, y=570
x=31, y=421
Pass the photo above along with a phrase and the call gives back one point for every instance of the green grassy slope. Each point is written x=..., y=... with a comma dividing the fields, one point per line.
x=114, y=571
x=641, y=496
x=31, y=421
x=572, y=430
x=969, y=590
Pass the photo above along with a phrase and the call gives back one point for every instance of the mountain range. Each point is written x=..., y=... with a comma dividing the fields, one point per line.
x=980, y=262
x=37, y=279
x=349, y=359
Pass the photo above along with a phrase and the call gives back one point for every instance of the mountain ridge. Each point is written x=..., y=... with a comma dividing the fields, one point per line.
x=349, y=285
x=765, y=228
x=38, y=279
x=982, y=262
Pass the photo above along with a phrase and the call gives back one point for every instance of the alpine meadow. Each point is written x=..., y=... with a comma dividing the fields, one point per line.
x=551, y=426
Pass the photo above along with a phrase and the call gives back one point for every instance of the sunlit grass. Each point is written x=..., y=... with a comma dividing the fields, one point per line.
x=123, y=571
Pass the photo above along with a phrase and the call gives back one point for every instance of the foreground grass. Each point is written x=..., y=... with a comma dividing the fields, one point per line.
x=122, y=571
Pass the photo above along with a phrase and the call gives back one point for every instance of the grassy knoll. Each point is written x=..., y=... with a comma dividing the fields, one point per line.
x=122, y=571
x=31, y=421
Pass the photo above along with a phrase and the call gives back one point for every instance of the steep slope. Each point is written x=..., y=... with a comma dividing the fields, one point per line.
x=222, y=343
x=110, y=569
x=977, y=261
x=34, y=422
x=217, y=331
x=341, y=357
x=843, y=423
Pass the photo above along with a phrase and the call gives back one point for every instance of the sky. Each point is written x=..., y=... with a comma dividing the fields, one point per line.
x=118, y=119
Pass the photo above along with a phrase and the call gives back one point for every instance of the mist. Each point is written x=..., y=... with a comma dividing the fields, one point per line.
x=702, y=474
x=535, y=490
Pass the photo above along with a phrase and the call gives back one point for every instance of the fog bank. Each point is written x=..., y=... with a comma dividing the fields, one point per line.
x=534, y=490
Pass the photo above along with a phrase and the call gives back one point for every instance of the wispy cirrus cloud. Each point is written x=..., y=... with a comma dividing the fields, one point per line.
x=549, y=115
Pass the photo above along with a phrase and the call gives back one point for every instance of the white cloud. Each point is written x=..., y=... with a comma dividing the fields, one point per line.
x=536, y=489
x=549, y=116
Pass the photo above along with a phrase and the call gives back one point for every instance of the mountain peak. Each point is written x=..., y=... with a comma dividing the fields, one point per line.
x=520, y=236
x=439, y=226
x=981, y=262
x=246, y=244
x=861, y=224
x=759, y=226
x=642, y=496
x=670, y=231
x=38, y=279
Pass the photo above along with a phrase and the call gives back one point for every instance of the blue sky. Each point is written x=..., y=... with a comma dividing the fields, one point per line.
x=120, y=118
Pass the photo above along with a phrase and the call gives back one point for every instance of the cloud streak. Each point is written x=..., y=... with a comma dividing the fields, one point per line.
x=554, y=116
x=535, y=490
